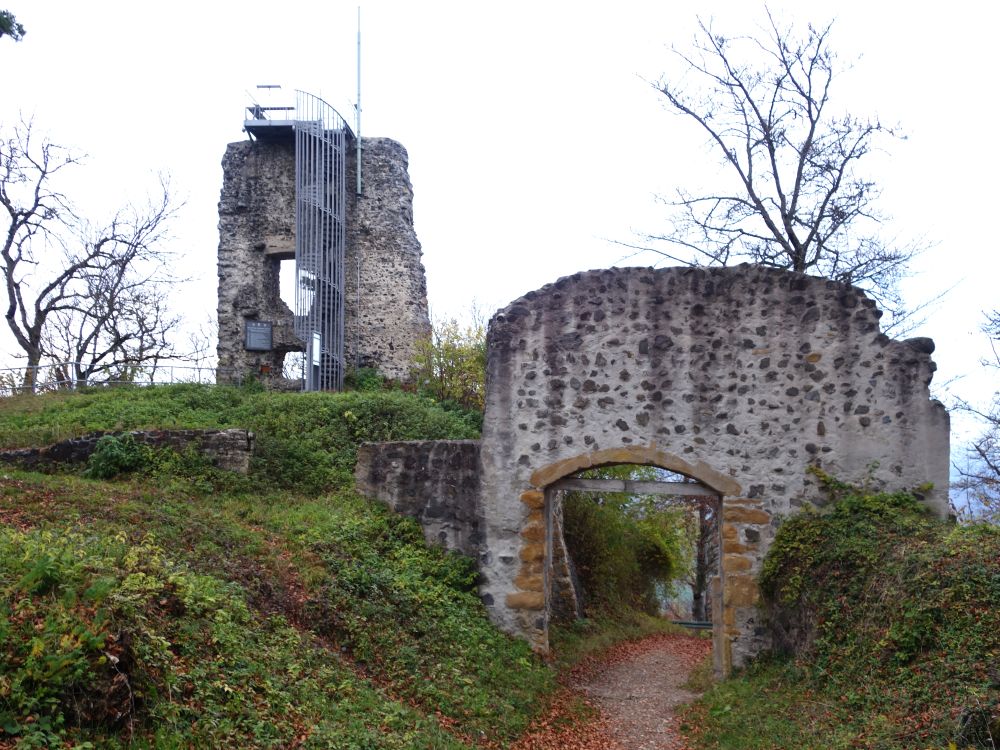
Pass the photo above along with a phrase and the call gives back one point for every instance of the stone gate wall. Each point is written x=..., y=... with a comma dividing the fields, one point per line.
x=741, y=377
x=435, y=482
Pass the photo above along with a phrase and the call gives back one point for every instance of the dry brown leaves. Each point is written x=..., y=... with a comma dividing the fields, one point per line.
x=574, y=722
x=571, y=723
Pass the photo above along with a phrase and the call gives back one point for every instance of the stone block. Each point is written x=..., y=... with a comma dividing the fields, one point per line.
x=533, y=533
x=530, y=582
x=737, y=514
x=736, y=564
x=739, y=591
x=534, y=499
x=532, y=552
x=526, y=600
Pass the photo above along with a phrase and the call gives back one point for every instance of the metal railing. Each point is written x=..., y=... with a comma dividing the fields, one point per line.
x=61, y=376
x=258, y=112
x=320, y=154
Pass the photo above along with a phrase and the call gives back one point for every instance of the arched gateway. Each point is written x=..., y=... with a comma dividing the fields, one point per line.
x=740, y=378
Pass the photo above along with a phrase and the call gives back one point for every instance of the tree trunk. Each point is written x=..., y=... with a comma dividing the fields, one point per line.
x=699, y=588
x=31, y=371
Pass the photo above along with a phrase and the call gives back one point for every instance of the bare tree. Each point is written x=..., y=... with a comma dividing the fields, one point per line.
x=122, y=326
x=979, y=479
x=90, y=295
x=796, y=200
x=10, y=27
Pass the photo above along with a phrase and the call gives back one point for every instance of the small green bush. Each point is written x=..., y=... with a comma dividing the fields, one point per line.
x=364, y=379
x=114, y=455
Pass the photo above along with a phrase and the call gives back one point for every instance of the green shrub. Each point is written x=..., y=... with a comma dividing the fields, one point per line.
x=364, y=379
x=114, y=455
x=450, y=365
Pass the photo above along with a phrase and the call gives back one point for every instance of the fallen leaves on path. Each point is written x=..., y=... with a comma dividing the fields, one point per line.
x=571, y=723
x=603, y=707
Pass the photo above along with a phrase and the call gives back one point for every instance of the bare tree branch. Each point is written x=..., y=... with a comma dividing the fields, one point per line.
x=76, y=292
x=763, y=102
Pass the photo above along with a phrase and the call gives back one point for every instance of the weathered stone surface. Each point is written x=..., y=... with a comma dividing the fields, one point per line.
x=534, y=499
x=740, y=377
x=531, y=552
x=733, y=563
x=526, y=600
x=533, y=532
x=387, y=316
x=736, y=514
x=256, y=216
x=384, y=318
x=529, y=582
x=740, y=591
x=434, y=481
x=229, y=449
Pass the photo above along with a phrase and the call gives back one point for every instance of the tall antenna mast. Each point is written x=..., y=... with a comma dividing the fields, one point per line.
x=357, y=122
x=357, y=106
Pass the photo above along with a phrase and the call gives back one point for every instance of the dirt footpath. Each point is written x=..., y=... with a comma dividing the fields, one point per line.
x=634, y=689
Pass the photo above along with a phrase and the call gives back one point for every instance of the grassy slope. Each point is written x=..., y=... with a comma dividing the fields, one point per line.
x=305, y=441
x=906, y=654
x=185, y=608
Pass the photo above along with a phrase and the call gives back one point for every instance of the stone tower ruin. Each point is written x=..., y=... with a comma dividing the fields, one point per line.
x=289, y=193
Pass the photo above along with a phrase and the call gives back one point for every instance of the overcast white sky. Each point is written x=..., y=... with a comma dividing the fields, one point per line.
x=533, y=134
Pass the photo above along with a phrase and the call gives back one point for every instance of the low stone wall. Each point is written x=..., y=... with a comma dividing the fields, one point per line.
x=229, y=449
x=435, y=482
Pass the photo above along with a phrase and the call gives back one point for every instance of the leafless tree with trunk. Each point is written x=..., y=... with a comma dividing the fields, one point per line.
x=76, y=292
x=796, y=198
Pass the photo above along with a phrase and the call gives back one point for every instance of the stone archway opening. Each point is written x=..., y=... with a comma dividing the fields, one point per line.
x=630, y=536
x=657, y=480
x=743, y=525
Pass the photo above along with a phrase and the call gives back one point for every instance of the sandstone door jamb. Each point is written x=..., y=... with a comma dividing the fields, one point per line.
x=533, y=582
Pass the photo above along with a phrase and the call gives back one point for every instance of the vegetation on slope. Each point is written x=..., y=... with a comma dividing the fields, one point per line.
x=185, y=607
x=893, y=623
x=305, y=441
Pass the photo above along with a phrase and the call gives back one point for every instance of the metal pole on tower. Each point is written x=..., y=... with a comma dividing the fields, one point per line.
x=357, y=106
x=357, y=113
